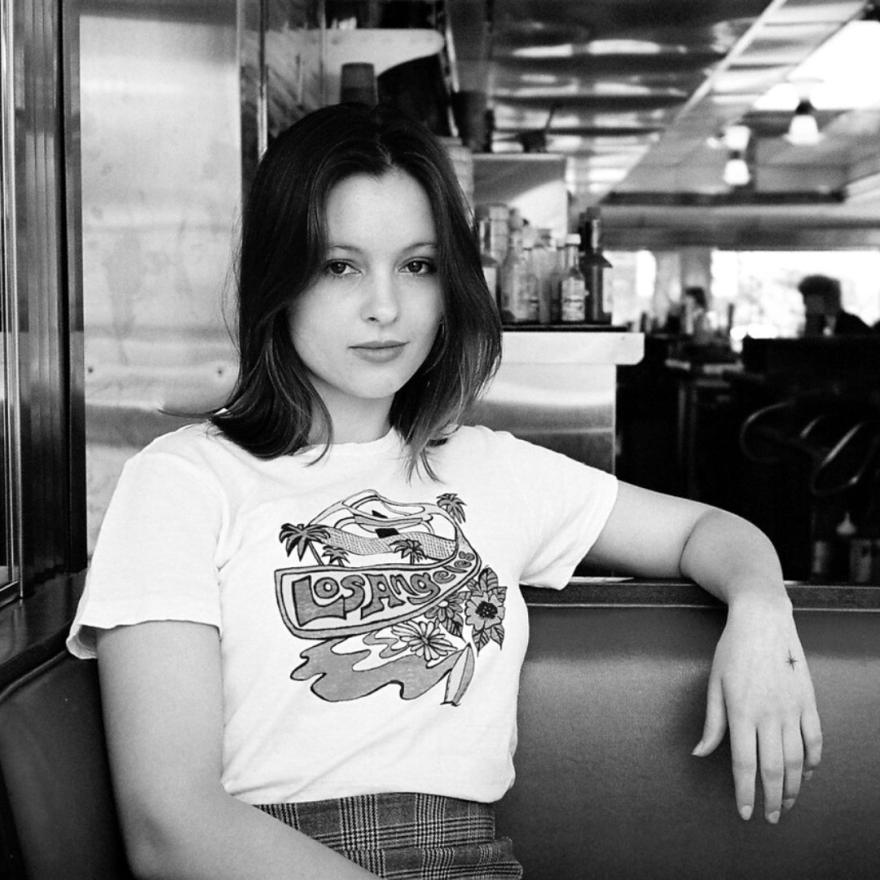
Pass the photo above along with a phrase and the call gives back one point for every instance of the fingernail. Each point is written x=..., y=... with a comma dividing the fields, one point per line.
x=746, y=812
x=787, y=804
x=773, y=818
x=697, y=749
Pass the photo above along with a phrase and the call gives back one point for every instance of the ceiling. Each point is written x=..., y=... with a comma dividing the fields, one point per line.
x=637, y=94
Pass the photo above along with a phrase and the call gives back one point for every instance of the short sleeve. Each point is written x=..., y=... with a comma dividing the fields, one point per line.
x=155, y=557
x=566, y=504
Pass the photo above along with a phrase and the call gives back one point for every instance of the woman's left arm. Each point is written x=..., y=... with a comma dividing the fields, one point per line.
x=759, y=686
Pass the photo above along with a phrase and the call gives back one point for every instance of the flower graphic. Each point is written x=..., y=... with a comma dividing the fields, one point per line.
x=423, y=637
x=485, y=615
x=484, y=610
x=448, y=613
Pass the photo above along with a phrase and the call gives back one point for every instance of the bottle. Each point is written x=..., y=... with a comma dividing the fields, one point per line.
x=556, y=281
x=593, y=265
x=499, y=216
x=572, y=289
x=516, y=281
x=487, y=258
x=845, y=533
x=543, y=259
x=530, y=292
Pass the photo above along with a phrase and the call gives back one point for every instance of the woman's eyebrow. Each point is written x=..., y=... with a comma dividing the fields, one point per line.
x=338, y=246
x=351, y=248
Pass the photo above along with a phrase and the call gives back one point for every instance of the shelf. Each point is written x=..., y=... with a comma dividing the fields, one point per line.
x=384, y=48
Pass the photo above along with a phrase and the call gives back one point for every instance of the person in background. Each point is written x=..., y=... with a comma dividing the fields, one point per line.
x=695, y=315
x=306, y=608
x=824, y=311
x=697, y=297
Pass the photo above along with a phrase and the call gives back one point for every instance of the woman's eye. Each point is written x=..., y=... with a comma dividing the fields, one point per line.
x=337, y=268
x=420, y=267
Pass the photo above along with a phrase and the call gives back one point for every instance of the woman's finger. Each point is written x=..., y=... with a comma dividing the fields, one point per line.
x=811, y=730
x=793, y=752
x=772, y=769
x=743, y=752
x=716, y=719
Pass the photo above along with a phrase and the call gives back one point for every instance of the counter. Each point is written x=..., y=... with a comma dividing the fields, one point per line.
x=587, y=592
x=557, y=386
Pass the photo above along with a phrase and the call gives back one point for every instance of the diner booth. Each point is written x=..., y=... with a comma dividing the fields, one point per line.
x=130, y=129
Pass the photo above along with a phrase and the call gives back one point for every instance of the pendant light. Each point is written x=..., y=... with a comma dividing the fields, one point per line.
x=736, y=170
x=803, y=130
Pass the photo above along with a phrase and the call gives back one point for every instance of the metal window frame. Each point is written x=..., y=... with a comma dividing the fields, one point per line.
x=42, y=449
x=10, y=403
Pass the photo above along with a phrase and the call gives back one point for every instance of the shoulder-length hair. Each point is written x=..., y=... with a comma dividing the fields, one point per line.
x=271, y=410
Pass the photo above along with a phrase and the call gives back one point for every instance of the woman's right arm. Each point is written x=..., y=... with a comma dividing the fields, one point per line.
x=163, y=708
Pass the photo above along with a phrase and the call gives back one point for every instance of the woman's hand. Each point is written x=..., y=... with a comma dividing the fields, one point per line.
x=760, y=688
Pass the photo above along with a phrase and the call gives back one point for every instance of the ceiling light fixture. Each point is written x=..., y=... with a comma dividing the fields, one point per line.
x=736, y=170
x=804, y=129
x=736, y=137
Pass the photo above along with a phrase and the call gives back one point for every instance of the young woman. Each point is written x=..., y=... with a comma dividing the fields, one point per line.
x=306, y=610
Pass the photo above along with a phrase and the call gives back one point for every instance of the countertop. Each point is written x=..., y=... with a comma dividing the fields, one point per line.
x=560, y=345
x=603, y=591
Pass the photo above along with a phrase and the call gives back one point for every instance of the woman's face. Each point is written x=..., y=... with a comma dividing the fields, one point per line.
x=369, y=319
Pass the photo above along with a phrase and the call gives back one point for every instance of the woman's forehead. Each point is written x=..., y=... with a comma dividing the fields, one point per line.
x=392, y=205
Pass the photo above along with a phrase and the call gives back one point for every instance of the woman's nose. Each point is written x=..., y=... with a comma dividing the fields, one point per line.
x=381, y=304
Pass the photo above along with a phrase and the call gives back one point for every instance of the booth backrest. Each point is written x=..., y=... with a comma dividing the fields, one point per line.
x=612, y=701
x=57, y=814
x=611, y=704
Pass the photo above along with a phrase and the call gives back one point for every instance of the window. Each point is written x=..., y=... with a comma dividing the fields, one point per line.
x=10, y=530
x=762, y=286
x=42, y=473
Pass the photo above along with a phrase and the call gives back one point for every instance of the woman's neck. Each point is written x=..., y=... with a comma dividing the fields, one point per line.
x=356, y=425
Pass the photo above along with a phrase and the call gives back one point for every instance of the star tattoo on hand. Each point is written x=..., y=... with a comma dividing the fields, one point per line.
x=791, y=661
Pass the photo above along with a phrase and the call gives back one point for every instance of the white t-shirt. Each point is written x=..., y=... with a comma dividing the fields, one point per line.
x=372, y=628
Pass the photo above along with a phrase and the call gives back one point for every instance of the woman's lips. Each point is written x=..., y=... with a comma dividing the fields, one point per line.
x=379, y=352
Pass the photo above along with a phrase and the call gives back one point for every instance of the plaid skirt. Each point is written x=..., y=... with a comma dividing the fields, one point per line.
x=408, y=836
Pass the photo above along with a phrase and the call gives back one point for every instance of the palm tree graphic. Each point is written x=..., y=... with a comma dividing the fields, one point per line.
x=302, y=537
x=335, y=555
x=409, y=548
x=451, y=505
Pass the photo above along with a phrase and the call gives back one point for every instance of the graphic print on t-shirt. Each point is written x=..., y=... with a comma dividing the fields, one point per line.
x=395, y=595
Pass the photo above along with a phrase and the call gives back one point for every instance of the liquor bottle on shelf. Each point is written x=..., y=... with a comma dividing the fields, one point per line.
x=487, y=258
x=517, y=281
x=593, y=265
x=572, y=289
x=543, y=264
x=530, y=308
x=498, y=215
x=556, y=281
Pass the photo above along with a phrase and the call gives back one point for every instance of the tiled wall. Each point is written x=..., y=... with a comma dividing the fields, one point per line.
x=161, y=183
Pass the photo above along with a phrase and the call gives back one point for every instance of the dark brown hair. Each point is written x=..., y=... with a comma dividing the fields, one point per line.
x=823, y=286
x=270, y=410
